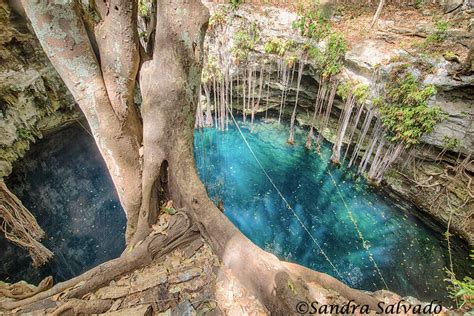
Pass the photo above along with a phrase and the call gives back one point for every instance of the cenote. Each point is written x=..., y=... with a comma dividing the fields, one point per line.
x=64, y=182
x=66, y=186
x=409, y=252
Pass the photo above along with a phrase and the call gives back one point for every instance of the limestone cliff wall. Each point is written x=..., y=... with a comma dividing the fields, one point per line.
x=33, y=98
x=454, y=96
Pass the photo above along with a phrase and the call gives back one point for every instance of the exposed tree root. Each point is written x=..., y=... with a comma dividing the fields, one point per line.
x=82, y=307
x=180, y=232
x=20, y=226
x=20, y=290
x=331, y=283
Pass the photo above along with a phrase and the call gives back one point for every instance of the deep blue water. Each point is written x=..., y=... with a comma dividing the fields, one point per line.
x=408, y=250
x=64, y=182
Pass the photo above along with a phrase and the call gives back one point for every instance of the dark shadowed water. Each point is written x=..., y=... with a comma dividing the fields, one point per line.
x=408, y=250
x=65, y=184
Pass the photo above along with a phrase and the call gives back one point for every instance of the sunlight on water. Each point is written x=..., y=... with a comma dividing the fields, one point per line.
x=410, y=253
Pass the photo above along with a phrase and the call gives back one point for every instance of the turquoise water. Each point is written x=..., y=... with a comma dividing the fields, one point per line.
x=409, y=252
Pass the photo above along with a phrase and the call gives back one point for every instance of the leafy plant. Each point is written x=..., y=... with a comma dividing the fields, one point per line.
x=236, y=3
x=440, y=32
x=462, y=290
x=244, y=41
x=333, y=56
x=418, y=4
x=143, y=9
x=450, y=143
x=358, y=90
x=24, y=133
x=210, y=70
x=278, y=46
x=312, y=23
x=404, y=110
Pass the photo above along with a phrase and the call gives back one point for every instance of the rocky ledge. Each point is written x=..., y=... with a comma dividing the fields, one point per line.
x=428, y=175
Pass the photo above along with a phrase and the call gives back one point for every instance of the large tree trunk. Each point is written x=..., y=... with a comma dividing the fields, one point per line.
x=170, y=85
x=115, y=126
x=170, y=100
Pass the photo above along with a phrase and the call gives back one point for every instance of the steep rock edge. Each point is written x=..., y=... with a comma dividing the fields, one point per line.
x=239, y=245
x=33, y=98
x=45, y=89
x=454, y=97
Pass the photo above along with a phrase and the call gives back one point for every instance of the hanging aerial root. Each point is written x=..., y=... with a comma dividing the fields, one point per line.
x=20, y=226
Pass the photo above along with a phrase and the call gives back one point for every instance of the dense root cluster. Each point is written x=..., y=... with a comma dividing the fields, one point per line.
x=20, y=226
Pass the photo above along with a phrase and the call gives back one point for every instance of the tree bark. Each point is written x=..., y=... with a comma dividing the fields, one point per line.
x=172, y=101
x=61, y=32
x=168, y=111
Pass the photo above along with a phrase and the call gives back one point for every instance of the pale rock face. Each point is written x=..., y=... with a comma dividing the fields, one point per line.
x=454, y=96
x=33, y=99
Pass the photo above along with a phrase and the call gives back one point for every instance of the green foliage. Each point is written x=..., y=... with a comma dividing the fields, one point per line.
x=244, y=41
x=358, y=90
x=404, y=110
x=292, y=59
x=279, y=46
x=440, y=32
x=236, y=3
x=462, y=290
x=361, y=93
x=142, y=35
x=333, y=56
x=312, y=23
x=143, y=9
x=450, y=56
x=210, y=70
x=408, y=90
x=26, y=134
x=218, y=18
x=344, y=89
x=450, y=143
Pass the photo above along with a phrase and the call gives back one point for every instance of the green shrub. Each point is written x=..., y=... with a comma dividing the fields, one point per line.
x=440, y=32
x=404, y=111
x=24, y=133
x=244, y=41
x=358, y=90
x=143, y=9
x=450, y=143
x=418, y=4
x=236, y=3
x=462, y=290
x=313, y=24
x=278, y=46
x=211, y=70
x=333, y=55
